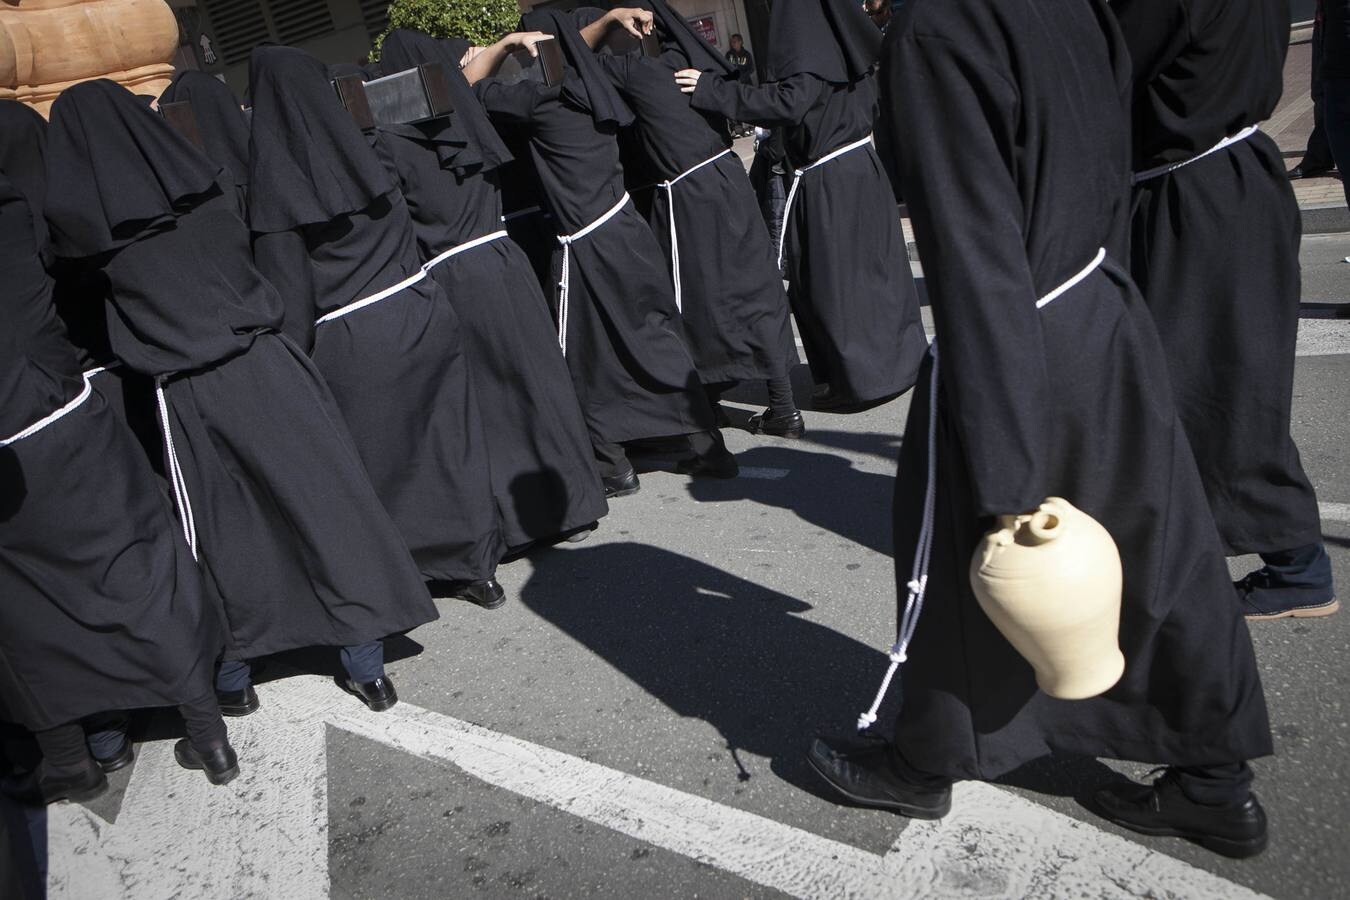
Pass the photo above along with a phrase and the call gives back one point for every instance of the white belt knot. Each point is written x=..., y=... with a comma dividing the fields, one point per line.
x=669, y=188
x=1167, y=168
x=917, y=586
x=796, y=180
x=565, y=283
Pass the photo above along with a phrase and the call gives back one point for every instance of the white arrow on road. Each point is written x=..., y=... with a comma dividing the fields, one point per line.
x=266, y=833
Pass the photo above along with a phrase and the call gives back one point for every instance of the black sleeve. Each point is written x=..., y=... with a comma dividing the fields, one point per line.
x=780, y=103
x=950, y=121
x=616, y=68
x=511, y=104
x=283, y=259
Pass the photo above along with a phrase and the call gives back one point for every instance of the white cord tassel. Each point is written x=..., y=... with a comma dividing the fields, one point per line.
x=564, y=284
x=918, y=581
x=180, y=490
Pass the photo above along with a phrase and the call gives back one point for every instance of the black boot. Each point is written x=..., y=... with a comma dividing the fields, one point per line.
x=872, y=774
x=43, y=786
x=622, y=485
x=218, y=762
x=119, y=760
x=1237, y=830
x=238, y=703
x=378, y=695
x=787, y=426
x=486, y=593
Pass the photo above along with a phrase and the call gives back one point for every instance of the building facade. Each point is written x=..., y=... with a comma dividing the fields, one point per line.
x=217, y=35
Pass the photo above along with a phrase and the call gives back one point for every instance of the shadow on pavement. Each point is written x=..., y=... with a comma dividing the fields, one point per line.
x=712, y=646
x=821, y=488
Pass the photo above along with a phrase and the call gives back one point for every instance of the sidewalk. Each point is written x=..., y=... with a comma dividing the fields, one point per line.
x=1322, y=200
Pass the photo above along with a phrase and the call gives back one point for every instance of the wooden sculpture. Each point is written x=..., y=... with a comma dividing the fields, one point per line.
x=48, y=45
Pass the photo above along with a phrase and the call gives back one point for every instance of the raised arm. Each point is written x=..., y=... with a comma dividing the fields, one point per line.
x=772, y=105
x=637, y=22
x=487, y=60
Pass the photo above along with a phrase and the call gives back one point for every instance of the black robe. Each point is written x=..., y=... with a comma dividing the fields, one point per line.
x=291, y=537
x=1215, y=253
x=397, y=367
x=543, y=472
x=848, y=274
x=1011, y=151
x=625, y=345
x=221, y=122
x=102, y=603
x=734, y=310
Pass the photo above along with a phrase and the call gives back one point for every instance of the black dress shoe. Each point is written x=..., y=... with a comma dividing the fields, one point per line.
x=869, y=774
x=486, y=593
x=1163, y=809
x=622, y=485
x=582, y=533
x=119, y=760
x=1304, y=171
x=237, y=703
x=718, y=463
x=789, y=426
x=378, y=695
x=41, y=787
x=219, y=763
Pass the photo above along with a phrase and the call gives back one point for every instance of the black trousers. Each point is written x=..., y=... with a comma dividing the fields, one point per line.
x=1336, y=122
x=1318, y=155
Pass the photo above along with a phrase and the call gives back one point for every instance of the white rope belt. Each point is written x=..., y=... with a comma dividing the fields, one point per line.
x=565, y=283
x=59, y=414
x=460, y=248
x=373, y=298
x=796, y=180
x=180, y=489
x=669, y=188
x=918, y=575
x=1229, y=141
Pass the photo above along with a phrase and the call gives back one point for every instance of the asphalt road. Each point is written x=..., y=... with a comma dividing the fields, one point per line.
x=709, y=629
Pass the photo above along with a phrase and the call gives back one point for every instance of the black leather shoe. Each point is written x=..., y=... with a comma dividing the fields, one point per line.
x=1162, y=809
x=378, y=695
x=1302, y=171
x=486, y=593
x=622, y=485
x=868, y=775
x=119, y=760
x=237, y=703
x=718, y=463
x=38, y=788
x=219, y=763
x=582, y=533
x=790, y=426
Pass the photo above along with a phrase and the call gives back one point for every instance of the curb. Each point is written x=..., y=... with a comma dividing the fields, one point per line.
x=1331, y=219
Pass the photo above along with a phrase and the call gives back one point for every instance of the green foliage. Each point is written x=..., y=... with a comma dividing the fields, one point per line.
x=478, y=21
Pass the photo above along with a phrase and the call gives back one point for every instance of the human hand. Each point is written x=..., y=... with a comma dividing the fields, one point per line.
x=687, y=79
x=637, y=22
x=528, y=41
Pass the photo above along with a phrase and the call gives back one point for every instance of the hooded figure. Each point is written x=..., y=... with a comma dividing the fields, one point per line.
x=704, y=213
x=1047, y=379
x=103, y=606
x=332, y=232
x=1226, y=298
x=272, y=495
x=617, y=321
x=543, y=472
x=221, y=121
x=848, y=273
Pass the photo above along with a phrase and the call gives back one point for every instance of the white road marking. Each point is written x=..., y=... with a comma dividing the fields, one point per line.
x=266, y=833
x=1334, y=512
x=767, y=473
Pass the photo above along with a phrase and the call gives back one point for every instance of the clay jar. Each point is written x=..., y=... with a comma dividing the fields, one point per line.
x=48, y=45
x=1050, y=581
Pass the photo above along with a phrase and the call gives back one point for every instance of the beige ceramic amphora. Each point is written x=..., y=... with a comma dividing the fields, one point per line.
x=1050, y=582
